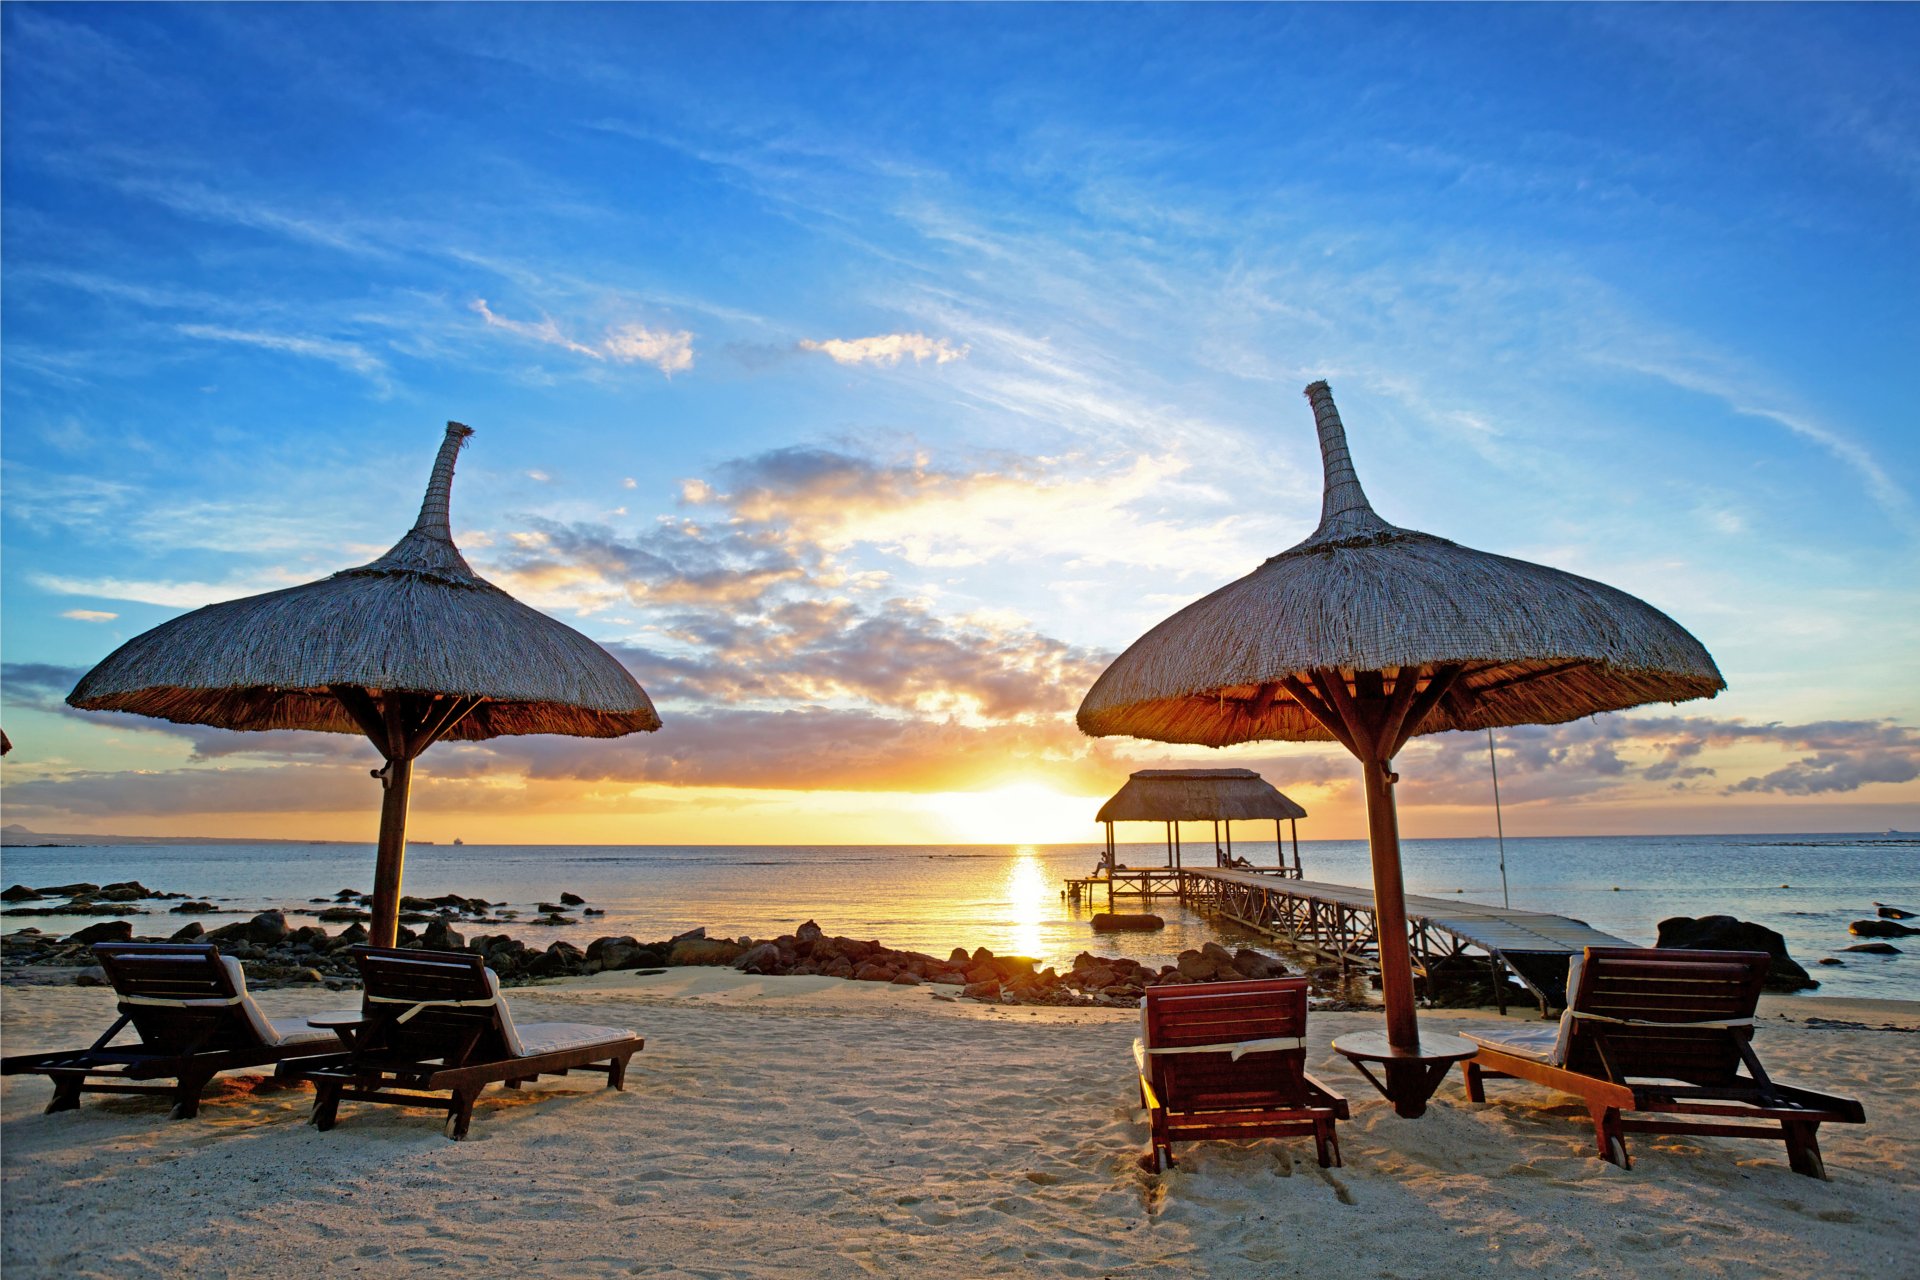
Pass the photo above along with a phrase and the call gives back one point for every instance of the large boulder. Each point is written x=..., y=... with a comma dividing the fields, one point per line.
x=696, y=951
x=809, y=932
x=1724, y=933
x=1194, y=966
x=763, y=958
x=19, y=893
x=191, y=931
x=268, y=928
x=1126, y=922
x=559, y=960
x=440, y=936
x=1249, y=963
x=105, y=931
x=1879, y=929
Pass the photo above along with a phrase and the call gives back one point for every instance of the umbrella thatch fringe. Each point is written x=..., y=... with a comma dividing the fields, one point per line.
x=1537, y=645
x=418, y=620
x=1197, y=795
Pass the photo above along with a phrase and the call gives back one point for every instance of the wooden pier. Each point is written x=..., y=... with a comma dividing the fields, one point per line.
x=1336, y=923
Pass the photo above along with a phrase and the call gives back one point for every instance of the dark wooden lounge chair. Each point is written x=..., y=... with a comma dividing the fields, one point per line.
x=190, y=1007
x=434, y=1022
x=1227, y=1060
x=1664, y=1033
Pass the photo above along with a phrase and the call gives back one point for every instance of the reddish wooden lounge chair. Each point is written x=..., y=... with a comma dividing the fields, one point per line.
x=190, y=1008
x=1664, y=1033
x=434, y=1022
x=1227, y=1060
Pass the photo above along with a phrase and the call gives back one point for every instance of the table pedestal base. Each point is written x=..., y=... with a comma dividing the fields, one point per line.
x=1411, y=1074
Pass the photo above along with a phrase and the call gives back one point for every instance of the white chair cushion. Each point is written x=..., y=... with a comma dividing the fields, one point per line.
x=291, y=1031
x=1538, y=1041
x=553, y=1037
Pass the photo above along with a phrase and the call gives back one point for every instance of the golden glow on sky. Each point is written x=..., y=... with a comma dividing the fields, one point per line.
x=1018, y=813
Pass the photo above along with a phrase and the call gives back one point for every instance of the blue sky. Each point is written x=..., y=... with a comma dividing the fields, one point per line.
x=866, y=377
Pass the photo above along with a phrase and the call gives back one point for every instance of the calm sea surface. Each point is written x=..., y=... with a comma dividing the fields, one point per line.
x=1007, y=897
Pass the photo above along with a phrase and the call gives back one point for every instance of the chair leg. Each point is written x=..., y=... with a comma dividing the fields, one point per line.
x=186, y=1095
x=326, y=1104
x=511, y=1084
x=66, y=1094
x=1327, y=1142
x=1803, y=1148
x=460, y=1113
x=1609, y=1136
x=617, y=1072
x=1476, y=1085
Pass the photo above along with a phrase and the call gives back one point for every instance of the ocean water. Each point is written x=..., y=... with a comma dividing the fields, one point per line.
x=1007, y=897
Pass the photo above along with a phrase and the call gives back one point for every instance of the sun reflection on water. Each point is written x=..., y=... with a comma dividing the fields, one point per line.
x=1028, y=896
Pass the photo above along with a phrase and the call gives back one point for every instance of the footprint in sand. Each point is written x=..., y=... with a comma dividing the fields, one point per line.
x=1040, y=1179
x=1340, y=1191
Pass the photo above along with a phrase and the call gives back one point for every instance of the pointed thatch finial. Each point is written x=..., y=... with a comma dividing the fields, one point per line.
x=1344, y=509
x=428, y=546
x=434, y=508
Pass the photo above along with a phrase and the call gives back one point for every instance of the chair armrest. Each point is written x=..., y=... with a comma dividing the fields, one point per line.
x=1151, y=1098
x=337, y=1019
x=1327, y=1097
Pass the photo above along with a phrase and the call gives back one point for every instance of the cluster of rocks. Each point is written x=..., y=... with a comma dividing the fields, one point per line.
x=1724, y=933
x=277, y=953
x=350, y=905
x=83, y=899
x=1886, y=924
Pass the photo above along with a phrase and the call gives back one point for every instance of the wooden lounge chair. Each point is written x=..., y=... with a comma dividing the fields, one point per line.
x=1227, y=1060
x=434, y=1022
x=190, y=1007
x=1663, y=1033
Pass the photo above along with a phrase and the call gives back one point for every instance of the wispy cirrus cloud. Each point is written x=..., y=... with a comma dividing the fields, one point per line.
x=171, y=594
x=89, y=615
x=350, y=356
x=669, y=351
x=887, y=349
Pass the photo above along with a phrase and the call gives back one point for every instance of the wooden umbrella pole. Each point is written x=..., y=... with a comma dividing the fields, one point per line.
x=1390, y=906
x=390, y=862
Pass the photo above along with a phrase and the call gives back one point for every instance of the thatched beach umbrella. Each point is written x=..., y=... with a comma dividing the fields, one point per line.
x=1367, y=634
x=410, y=649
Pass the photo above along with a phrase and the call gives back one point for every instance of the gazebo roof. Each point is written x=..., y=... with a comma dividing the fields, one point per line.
x=1196, y=795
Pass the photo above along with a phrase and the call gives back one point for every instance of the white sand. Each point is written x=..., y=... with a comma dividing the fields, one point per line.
x=813, y=1127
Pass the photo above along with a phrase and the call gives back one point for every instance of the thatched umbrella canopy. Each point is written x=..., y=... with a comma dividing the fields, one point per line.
x=1367, y=634
x=410, y=649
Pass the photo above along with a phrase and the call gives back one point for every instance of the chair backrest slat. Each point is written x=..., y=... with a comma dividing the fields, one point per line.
x=176, y=971
x=1641, y=987
x=446, y=1029
x=1227, y=1013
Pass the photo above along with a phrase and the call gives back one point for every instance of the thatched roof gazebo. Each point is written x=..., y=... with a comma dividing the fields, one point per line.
x=410, y=649
x=1173, y=796
x=1367, y=634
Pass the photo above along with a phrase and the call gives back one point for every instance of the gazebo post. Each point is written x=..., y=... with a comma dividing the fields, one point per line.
x=1293, y=825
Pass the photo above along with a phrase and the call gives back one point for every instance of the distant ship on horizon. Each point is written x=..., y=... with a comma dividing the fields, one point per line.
x=458, y=840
